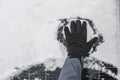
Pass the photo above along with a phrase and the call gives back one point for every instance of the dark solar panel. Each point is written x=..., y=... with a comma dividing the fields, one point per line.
x=37, y=72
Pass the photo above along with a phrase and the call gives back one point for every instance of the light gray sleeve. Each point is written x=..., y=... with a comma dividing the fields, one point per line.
x=72, y=69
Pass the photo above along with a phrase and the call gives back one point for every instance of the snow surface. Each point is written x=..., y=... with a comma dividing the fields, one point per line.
x=28, y=29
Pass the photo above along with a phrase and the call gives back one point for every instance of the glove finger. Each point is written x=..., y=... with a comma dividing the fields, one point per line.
x=91, y=42
x=84, y=30
x=78, y=27
x=67, y=33
x=73, y=27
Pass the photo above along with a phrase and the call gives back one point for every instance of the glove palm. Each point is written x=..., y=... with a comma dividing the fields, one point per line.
x=77, y=45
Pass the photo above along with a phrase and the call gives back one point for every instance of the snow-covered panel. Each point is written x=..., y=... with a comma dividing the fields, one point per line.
x=28, y=29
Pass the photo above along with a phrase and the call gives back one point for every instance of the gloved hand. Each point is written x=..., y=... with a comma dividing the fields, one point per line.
x=77, y=45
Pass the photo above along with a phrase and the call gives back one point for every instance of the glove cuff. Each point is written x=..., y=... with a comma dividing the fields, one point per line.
x=75, y=56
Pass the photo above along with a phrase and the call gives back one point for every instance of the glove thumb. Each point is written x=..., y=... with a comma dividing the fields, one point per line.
x=92, y=41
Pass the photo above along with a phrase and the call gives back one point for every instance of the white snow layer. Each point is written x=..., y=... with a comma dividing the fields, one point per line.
x=28, y=29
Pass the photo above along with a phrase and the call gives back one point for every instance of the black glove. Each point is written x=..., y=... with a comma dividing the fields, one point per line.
x=77, y=45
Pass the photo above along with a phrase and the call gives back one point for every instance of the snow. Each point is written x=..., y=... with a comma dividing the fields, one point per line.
x=28, y=30
x=52, y=63
x=37, y=79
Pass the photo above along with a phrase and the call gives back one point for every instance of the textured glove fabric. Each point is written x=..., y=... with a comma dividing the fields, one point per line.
x=77, y=45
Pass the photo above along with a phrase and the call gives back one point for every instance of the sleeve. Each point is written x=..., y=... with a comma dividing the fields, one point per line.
x=72, y=69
